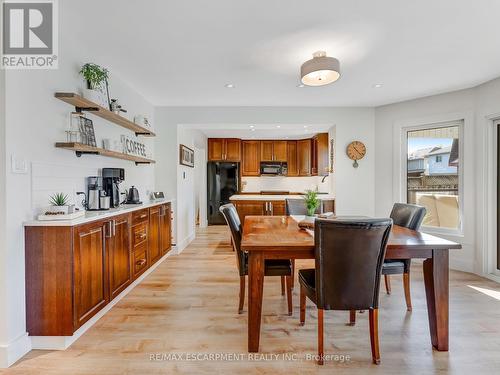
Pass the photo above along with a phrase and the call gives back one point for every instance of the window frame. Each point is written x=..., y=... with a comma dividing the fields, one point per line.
x=404, y=172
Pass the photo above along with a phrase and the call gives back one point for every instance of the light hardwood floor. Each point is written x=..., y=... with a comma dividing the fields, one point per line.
x=189, y=305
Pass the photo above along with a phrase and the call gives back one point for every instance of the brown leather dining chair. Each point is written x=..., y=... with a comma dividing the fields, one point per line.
x=349, y=254
x=409, y=216
x=273, y=267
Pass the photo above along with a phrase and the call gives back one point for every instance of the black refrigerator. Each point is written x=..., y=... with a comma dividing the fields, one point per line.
x=223, y=180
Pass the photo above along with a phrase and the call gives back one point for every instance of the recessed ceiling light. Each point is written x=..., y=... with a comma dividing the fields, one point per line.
x=377, y=85
x=301, y=85
x=229, y=86
x=252, y=126
x=252, y=129
x=278, y=126
x=320, y=70
x=305, y=126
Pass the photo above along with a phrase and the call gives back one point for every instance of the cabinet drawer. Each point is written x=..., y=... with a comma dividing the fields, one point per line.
x=140, y=216
x=140, y=262
x=139, y=234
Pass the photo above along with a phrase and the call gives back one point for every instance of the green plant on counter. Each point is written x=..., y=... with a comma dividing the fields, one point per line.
x=94, y=74
x=312, y=202
x=59, y=199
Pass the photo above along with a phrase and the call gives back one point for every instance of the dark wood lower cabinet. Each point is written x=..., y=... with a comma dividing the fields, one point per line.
x=165, y=228
x=89, y=271
x=73, y=272
x=155, y=252
x=119, y=260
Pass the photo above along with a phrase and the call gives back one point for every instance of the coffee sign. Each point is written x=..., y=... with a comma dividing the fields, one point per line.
x=131, y=146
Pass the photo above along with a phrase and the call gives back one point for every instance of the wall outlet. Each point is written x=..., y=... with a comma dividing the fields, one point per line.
x=18, y=165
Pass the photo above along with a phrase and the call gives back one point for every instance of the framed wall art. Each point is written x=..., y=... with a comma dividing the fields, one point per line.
x=186, y=156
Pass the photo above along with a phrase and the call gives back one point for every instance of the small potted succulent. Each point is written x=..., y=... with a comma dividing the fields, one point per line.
x=59, y=205
x=96, y=78
x=311, y=201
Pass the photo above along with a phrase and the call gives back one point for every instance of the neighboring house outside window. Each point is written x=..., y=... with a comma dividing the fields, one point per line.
x=433, y=174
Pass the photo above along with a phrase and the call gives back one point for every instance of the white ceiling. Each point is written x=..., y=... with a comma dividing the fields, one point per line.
x=184, y=52
x=259, y=131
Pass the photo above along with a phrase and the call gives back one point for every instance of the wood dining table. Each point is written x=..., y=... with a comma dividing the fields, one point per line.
x=279, y=237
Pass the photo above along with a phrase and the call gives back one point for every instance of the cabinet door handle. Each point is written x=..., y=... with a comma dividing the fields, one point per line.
x=272, y=208
x=109, y=230
x=140, y=262
x=143, y=236
x=114, y=228
x=143, y=216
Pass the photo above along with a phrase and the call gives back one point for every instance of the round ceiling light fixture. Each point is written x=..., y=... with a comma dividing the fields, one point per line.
x=320, y=70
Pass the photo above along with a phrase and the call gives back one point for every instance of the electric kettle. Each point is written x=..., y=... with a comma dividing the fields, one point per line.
x=133, y=196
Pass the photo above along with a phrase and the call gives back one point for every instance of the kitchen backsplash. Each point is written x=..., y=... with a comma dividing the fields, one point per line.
x=292, y=184
x=50, y=178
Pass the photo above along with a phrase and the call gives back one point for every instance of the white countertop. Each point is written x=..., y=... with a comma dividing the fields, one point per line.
x=266, y=197
x=96, y=215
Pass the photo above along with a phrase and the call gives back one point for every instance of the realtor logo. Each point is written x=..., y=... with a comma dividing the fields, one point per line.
x=29, y=34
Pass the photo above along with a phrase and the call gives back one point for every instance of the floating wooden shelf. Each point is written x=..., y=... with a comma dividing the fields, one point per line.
x=81, y=149
x=82, y=104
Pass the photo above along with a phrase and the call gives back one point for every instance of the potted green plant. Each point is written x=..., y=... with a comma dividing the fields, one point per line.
x=311, y=201
x=96, y=78
x=59, y=204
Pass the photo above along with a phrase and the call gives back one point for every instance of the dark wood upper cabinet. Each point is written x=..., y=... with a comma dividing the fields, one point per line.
x=304, y=157
x=319, y=154
x=250, y=165
x=90, y=271
x=232, y=149
x=215, y=149
x=154, y=247
x=273, y=151
x=266, y=151
x=224, y=149
x=280, y=150
x=119, y=259
x=293, y=169
x=314, y=156
x=322, y=156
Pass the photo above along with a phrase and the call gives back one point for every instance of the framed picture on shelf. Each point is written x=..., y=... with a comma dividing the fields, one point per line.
x=186, y=156
x=87, y=131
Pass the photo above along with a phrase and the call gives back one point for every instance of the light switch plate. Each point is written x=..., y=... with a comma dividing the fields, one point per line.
x=18, y=165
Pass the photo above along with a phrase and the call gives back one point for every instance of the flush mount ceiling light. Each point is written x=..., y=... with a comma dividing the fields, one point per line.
x=320, y=70
x=229, y=86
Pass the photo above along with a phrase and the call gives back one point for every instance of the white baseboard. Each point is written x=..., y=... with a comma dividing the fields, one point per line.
x=63, y=342
x=11, y=352
x=185, y=243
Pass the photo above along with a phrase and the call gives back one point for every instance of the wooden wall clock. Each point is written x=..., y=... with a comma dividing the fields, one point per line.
x=356, y=151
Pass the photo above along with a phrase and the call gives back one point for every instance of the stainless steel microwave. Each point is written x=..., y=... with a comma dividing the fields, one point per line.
x=273, y=169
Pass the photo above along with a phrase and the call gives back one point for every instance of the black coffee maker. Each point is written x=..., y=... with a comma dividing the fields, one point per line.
x=111, y=178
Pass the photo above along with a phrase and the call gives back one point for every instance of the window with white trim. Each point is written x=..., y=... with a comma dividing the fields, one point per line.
x=433, y=173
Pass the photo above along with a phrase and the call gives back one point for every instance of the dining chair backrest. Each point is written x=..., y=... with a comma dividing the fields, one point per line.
x=233, y=221
x=349, y=255
x=296, y=206
x=408, y=215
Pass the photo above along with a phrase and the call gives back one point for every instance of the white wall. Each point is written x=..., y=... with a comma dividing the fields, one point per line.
x=474, y=105
x=4, y=354
x=188, y=186
x=355, y=188
x=35, y=120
